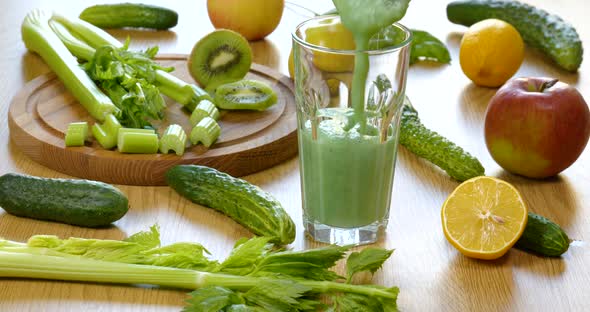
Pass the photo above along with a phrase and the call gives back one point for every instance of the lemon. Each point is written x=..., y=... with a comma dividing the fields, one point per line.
x=484, y=217
x=491, y=52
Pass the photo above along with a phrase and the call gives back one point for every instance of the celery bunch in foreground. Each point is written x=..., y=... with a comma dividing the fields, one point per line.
x=256, y=276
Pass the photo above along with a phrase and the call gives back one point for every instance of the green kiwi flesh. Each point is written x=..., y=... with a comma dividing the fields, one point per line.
x=245, y=94
x=220, y=57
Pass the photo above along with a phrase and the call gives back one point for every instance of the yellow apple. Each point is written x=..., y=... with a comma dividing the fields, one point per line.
x=253, y=19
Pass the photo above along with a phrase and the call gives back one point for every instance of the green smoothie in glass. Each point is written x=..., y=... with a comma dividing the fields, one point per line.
x=347, y=175
x=348, y=139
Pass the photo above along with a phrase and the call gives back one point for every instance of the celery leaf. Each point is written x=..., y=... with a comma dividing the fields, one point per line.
x=276, y=295
x=369, y=259
x=211, y=299
x=310, y=264
x=245, y=255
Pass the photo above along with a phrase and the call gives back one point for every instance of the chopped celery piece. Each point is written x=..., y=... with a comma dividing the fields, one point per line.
x=180, y=91
x=40, y=38
x=112, y=125
x=105, y=139
x=106, y=134
x=76, y=134
x=206, y=132
x=137, y=142
x=205, y=109
x=133, y=130
x=174, y=138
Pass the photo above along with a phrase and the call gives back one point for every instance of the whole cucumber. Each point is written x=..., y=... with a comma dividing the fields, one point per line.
x=130, y=15
x=77, y=202
x=245, y=203
x=427, y=144
x=539, y=29
x=543, y=237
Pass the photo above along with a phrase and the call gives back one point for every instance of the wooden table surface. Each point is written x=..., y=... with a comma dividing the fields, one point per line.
x=431, y=274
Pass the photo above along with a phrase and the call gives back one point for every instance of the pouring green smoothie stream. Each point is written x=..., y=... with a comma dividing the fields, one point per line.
x=364, y=19
x=347, y=154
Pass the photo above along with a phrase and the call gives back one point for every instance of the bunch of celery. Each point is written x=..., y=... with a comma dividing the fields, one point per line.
x=132, y=80
x=255, y=276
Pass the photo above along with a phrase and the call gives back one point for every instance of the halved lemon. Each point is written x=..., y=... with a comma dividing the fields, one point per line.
x=484, y=217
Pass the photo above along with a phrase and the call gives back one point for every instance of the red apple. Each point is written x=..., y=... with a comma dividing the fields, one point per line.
x=536, y=127
x=253, y=19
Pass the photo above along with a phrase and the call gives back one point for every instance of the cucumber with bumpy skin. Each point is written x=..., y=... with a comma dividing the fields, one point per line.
x=543, y=237
x=539, y=29
x=77, y=202
x=130, y=15
x=247, y=204
x=427, y=144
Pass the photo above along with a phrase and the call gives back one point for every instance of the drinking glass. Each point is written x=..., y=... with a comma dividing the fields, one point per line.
x=348, y=126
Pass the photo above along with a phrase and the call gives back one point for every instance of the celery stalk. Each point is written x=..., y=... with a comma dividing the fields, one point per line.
x=23, y=265
x=186, y=94
x=76, y=46
x=137, y=142
x=206, y=132
x=174, y=138
x=112, y=125
x=38, y=266
x=106, y=140
x=255, y=275
x=39, y=38
x=76, y=134
x=204, y=109
x=93, y=35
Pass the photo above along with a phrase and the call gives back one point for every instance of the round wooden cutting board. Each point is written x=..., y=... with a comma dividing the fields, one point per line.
x=249, y=142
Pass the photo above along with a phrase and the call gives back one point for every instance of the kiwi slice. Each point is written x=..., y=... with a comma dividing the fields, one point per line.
x=220, y=57
x=245, y=94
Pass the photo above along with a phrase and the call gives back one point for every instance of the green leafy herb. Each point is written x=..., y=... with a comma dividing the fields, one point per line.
x=129, y=78
x=140, y=248
x=245, y=256
x=277, y=295
x=309, y=264
x=255, y=277
x=355, y=302
x=427, y=47
x=211, y=299
x=369, y=259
